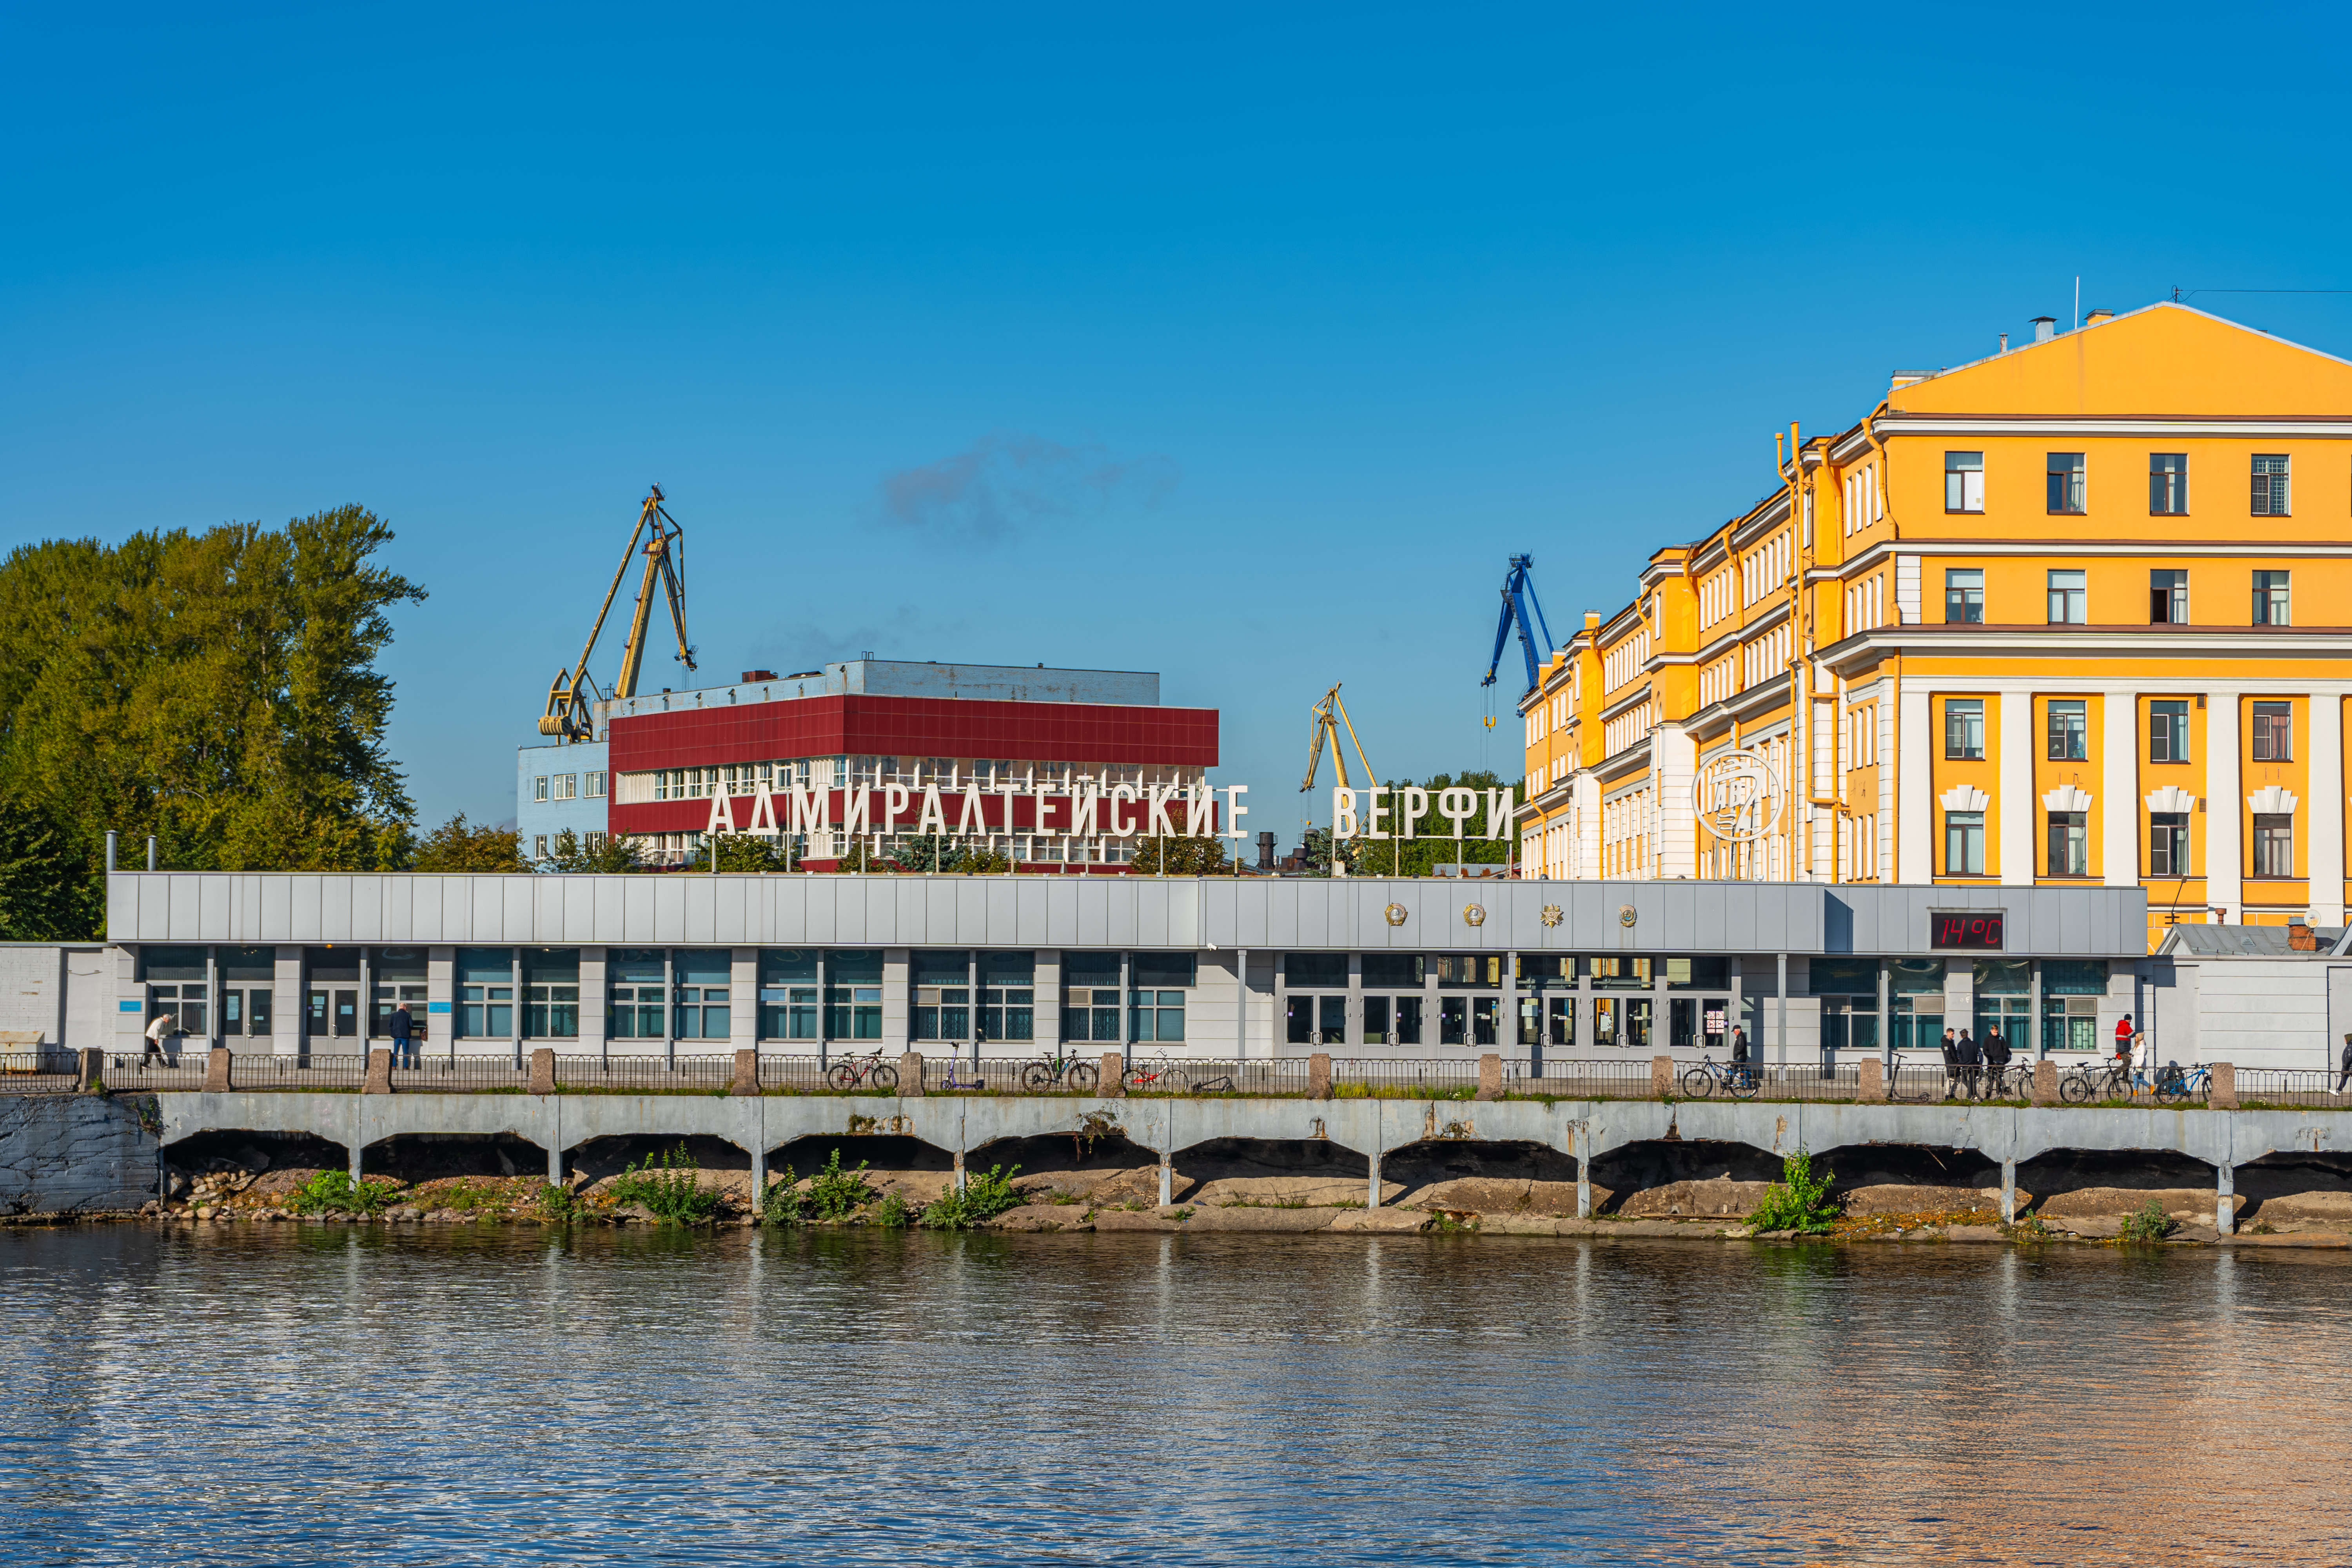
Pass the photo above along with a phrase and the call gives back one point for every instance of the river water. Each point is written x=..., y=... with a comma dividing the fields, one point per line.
x=302, y=1394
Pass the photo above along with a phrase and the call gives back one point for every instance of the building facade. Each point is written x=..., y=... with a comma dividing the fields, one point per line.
x=1214, y=968
x=1057, y=769
x=2070, y=614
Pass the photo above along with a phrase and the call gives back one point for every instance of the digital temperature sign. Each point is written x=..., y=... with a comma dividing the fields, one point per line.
x=1965, y=931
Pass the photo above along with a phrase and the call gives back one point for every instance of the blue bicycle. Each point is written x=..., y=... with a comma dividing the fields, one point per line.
x=1736, y=1079
x=2175, y=1083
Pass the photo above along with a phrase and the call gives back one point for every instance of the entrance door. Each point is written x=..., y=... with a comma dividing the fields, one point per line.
x=315, y=1013
x=1392, y=1020
x=1702, y=1024
x=1311, y=1020
x=347, y=1011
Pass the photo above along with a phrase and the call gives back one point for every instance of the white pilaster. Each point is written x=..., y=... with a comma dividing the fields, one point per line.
x=2019, y=811
x=742, y=997
x=2325, y=809
x=1915, y=812
x=2119, y=791
x=1673, y=762
x=1587, y=825
x=2224, y=847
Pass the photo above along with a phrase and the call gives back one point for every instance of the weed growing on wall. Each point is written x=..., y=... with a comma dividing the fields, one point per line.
x=334, y=1192
x=982, y=1199
x=2148, y=1223
x=669, y=1188
x=1799, y=1201
x=835, y=1194
x=893, y=1213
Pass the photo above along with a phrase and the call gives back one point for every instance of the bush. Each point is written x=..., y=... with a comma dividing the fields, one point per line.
x=982, y=1200
x=835, y=1193
x=558, y=1205
x=668, y=1187
x=893, y=1213
x=783, y=1203
x=2148, y=1223
x=1799, y=1201
x=334, y=1192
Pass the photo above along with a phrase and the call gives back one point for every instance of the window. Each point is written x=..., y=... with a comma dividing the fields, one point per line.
x=700, y=981
x=2168, y=484
x=550, y=978
x=1963, y=726
x=2070, y=844
x=485, y=992
x=942, y=982
x=2070, y=727
x=2168, y=731
x=1964, y=843
x=788, y=994
x=1156, y=1014
x=2273, y=731
x=596, y=786
x=1964, y=595
x=635, y=978
x=538, y=789
x=2168, y=844
x=1008, y=997
x=2069, y=598
x=2270, y=485
x=567, y=787
x=1964, y=481
x=853, y=995
x=2274, y=844
x=2167, y=597
x=2066, y=482
x=2270, y=599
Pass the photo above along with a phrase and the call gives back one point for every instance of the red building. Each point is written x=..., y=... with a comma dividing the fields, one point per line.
x=1055, y=769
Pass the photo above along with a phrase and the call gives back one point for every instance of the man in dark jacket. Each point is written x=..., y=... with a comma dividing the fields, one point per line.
x=1997, y=1057
x=403, y=1047
x=1951, y=1065
x=2345, y=1072
x=1970, y=1060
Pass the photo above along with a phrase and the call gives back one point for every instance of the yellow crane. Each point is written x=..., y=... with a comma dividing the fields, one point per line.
x=568, y=712
x=1331, y=716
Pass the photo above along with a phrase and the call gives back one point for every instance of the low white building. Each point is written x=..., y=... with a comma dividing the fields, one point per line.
x=2261, y=996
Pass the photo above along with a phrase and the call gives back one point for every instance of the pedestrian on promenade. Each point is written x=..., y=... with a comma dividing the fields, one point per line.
x=1740, y=1050
x=1971, y=1055
x=2143, y=1060
x=1997, y=1057
x=1951, y=1065
x=403, y=1044
x=2345, y=1072
x=165, y=1025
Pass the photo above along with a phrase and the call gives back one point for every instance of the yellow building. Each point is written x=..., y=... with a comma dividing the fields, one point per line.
x=2075, y=611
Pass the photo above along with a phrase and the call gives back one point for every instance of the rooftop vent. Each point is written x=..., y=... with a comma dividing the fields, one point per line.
x=2044, y=328
x=1904, y=378
x=2299, y=938
x=2095, y=317
x=752, y=675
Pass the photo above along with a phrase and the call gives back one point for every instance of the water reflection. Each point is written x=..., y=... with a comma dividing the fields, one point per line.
x=303, y=1394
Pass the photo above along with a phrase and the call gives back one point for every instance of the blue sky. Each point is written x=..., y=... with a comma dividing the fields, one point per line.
x=1241, y=344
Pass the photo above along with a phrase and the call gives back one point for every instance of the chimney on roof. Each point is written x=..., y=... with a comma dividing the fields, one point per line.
x=2299, y=938
x=2044, y=328
x=752, y=675
x=2095, y=317
x=1265, y=851
x=2004, y=342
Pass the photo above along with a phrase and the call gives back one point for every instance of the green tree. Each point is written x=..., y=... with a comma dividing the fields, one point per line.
x=1436, y=845
x=45, y=892
x=215, y=689
x=744, y=852
x=1180, y=855
x=611, y=852
x=457, y=846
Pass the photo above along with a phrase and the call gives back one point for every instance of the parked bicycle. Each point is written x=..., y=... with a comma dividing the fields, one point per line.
x=1738, y=1082
x=2089, y=1085
x=1160, y=1076
x=1061, y=1070
x=2010, y=1081
x=863, y=1072
x=2175, y=1083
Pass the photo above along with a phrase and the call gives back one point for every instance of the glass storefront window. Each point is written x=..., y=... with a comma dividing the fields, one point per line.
x=1621, y=1021
x=1468, y=970
x=2073, y=977
x=1620, y=974
x=1008, y=997
x=395, y=975
x=1547, y=1020
x=551, y=993
x=635, y=979
x=1314, y=971
x=1844, y=977
x=1699, y=973
x=485, y=993
x=1158, y=1016
x=2004, y=976
x=1090, y=1013
x=1916, y=977
x=1389, y=969
x=700, y=979
x=788, y=994
x=246, y=975
x=853, y=994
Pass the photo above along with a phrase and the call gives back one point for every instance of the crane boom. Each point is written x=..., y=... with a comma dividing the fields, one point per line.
x=1519, y=598
x=567, y=713
x=1329, y=716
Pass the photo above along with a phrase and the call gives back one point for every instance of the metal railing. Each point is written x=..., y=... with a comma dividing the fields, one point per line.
x=709, y=1075
x=39, y=1072
x=2302, y=1087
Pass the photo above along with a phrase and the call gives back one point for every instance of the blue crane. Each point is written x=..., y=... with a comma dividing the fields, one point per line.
x=1519, y=598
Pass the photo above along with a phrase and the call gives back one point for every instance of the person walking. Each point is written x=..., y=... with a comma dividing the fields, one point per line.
x=1970, y=1058
x=2345, y=1074
x=403, y=1043
x=1739, y=1051
x=165, y=1025
x=2143, y=1060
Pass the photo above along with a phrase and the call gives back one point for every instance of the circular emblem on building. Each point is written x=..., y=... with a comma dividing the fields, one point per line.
x=1736, y=797
x=1627, y=914
x=1551, y=914
x=1395, y=914
x=1473, y=914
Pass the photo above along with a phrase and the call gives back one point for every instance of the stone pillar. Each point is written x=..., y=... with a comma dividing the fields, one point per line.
x=1167, y=1171
x=1112, y=1083
x=1372, y=1190
x=92, y=1068
x=743, y=999
x=2225, y=1200
x=910, y=1073
x=2225, y=1085
x=217, y=1075
x=1490, y=1077
x=379, y=1076
x=747, y=1070
x=1872, y=1089
x=2009, y=1192
x=1578, y=1134
x=1319, y=1076
x=2045, y=1082
x=959, y=1170
x=542, y=1071
x=1661, y=1076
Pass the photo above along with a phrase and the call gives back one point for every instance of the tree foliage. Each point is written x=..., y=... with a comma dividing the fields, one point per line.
x=216, y=689
x=457, y=845
x=612, y=852
x=1180, y=855
x=1436, y=845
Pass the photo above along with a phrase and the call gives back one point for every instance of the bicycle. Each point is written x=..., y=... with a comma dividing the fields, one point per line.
x=2010, y=1081
x=1161, y=1078
x=1736, y=1080
x=2087, y=1084
x=862, y=1072
x=2176, y=1083
x=1060, y=1071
